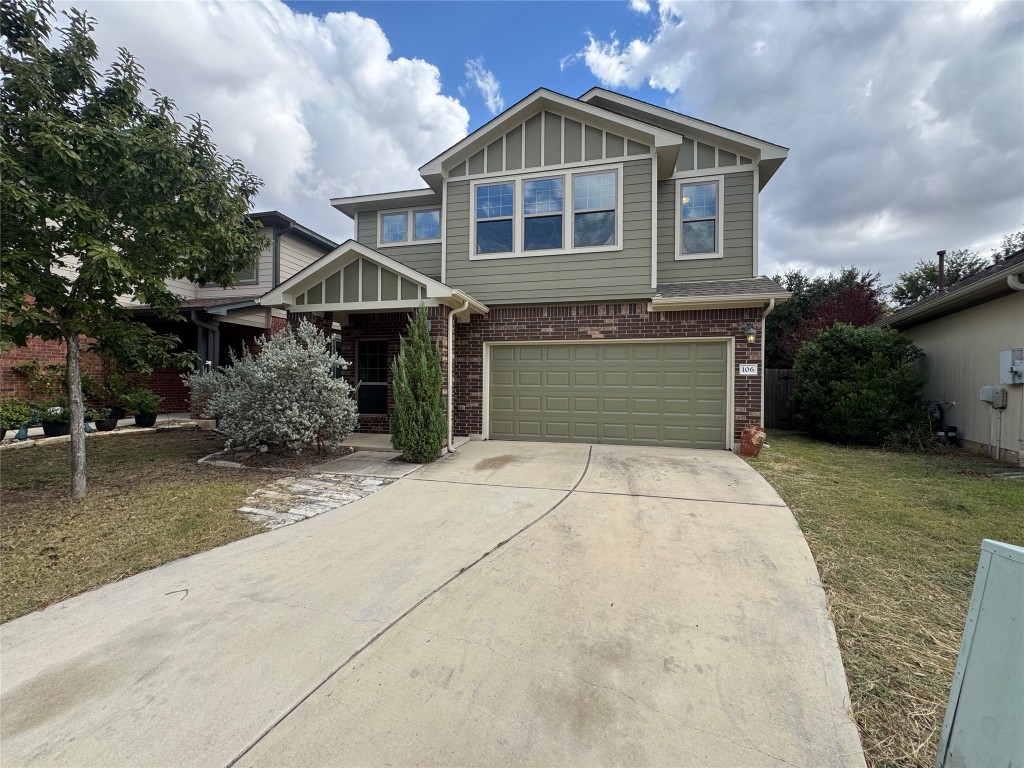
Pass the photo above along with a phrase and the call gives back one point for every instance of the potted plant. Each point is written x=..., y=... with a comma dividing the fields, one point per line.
x=55, y=419
x=13, y=413
x=113, y=391
x=101, y=418
x=145, y=404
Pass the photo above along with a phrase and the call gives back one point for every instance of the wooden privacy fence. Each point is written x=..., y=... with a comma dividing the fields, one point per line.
x=778, y=388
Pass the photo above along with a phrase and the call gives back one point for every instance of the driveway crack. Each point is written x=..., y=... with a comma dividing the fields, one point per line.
x=410, y=610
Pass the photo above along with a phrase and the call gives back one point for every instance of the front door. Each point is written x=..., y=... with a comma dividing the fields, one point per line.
x=372, y=376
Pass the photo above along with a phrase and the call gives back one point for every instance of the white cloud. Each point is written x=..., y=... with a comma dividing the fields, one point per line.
x=317, y=107
x=640, y=6
x=905, y=121
x=481, y=78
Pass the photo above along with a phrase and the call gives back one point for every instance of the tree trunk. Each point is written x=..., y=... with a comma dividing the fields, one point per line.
x=76, y=411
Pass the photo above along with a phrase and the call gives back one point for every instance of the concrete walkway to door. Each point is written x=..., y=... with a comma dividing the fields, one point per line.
x=514, y=603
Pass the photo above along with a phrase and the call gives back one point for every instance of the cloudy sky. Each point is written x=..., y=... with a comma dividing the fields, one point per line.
x=905, y=121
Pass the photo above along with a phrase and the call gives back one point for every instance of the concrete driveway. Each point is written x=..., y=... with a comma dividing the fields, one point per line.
x=513, y=604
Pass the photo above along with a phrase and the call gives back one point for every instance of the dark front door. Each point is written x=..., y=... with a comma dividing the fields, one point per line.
x=372, y=376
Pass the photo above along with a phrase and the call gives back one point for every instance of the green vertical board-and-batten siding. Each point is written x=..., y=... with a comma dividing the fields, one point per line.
x=423, y=257
x=737, y=234
x=572, y=276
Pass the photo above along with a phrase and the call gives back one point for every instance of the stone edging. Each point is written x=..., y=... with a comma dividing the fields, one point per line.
x=33, y=441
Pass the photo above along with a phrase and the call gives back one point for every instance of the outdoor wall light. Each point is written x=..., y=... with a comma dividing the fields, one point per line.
x=750, y=332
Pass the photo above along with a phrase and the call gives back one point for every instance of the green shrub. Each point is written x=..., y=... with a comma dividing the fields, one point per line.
x=14, y=413
x=143, y=401
x=858, y=385
x=418, y=425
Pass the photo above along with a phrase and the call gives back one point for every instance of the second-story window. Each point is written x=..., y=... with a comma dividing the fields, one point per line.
x=426, y=225
x=494, y=209
x=542, y=213
x=594, y=204
x=394, y=227
x=699, y=233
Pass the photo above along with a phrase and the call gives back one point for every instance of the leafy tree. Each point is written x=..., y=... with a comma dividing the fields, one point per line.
x=851, y=297
x=418, y=425
x=923, y=280
x=858, y=385
x=1010, y=245
x=103, y=198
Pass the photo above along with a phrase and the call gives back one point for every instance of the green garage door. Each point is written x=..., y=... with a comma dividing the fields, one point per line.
x=654, y=393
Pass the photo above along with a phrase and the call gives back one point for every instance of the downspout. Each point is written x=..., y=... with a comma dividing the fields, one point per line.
x=764, y=362
x=214, y=338
x=451, y=371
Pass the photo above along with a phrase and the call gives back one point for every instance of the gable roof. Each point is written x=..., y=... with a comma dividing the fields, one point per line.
x=741, y=292
x=665, y=142
x=278, y=220
x=770, y=155
x=993, y=282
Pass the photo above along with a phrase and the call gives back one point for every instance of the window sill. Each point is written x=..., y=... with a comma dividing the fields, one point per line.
x=550, y=252
x=407, y=243
x=698, y=256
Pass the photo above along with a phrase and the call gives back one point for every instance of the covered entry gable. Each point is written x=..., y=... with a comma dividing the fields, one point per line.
x=355, y=278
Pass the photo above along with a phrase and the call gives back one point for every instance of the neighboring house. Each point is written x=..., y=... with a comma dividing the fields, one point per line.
x=218, y=320
x=963, y=330
x=225, y=320
x=590, y=269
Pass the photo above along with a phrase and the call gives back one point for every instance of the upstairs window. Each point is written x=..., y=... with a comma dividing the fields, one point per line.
x=494, y=211
x=417, y=225
x=542, y=213
x=248, y=276
x=594, y=201
x=699, y=226
x=394, y=227
x=426, y=225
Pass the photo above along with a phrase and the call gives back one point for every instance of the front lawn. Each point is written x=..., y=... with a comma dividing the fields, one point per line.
x=149, y=502
x=896, y=538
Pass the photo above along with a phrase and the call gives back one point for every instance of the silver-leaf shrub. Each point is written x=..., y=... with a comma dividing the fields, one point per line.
x=284, y=396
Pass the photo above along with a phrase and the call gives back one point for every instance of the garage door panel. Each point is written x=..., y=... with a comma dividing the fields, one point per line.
x=658, y=393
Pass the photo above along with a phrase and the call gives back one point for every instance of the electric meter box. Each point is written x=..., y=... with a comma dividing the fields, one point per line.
x=1011, y=366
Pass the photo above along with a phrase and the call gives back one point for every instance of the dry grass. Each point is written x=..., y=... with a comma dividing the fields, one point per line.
x=149, y=502
x=896, y=538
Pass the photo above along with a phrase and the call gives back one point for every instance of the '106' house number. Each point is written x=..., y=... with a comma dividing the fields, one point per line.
x=748, y=369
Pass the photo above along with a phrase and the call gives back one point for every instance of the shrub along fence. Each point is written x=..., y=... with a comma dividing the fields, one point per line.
x=778, y=391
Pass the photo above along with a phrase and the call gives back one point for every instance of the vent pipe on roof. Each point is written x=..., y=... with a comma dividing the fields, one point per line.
x=942, y=269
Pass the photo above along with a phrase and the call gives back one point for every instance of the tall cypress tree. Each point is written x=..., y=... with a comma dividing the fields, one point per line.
x=418, y=425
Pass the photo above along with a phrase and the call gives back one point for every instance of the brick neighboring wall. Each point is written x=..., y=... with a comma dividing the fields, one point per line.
x=597, y=322
x=46, y=353
x=390, y=327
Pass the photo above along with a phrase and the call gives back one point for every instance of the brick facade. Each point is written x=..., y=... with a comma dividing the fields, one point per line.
x=596, y=322
x=388, y=326
x=45, y=353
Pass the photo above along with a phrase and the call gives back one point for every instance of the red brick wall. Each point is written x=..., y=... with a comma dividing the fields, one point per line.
x=601, y=321
x=389, y=326
x=46, y=353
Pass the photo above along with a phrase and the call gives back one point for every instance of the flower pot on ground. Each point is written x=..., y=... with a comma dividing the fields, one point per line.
x=116, y=410
x=56, y=428
x=105, y=425
x=55, y=420
x=145, y=404
x=101, y=418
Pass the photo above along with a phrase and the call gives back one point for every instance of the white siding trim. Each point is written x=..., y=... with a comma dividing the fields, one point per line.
x=757, y=196
x=654, y=225
x=444, y=230
x=730, y=381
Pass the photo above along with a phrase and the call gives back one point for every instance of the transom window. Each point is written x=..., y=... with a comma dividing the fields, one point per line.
x=412, y=226
x=527, y=216
x=699, y=228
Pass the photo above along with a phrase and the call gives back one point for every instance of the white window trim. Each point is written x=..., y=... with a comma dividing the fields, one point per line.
x=517, y=251
x=410, y=232
x=526, y=216
x=678, y=245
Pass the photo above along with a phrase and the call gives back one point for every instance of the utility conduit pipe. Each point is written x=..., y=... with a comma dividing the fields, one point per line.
x=451, y=371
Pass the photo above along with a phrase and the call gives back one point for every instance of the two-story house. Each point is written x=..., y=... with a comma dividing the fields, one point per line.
x=222, y=320
x=590, y=269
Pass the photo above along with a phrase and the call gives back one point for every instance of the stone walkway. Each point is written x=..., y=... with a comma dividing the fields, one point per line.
x=292, y=499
